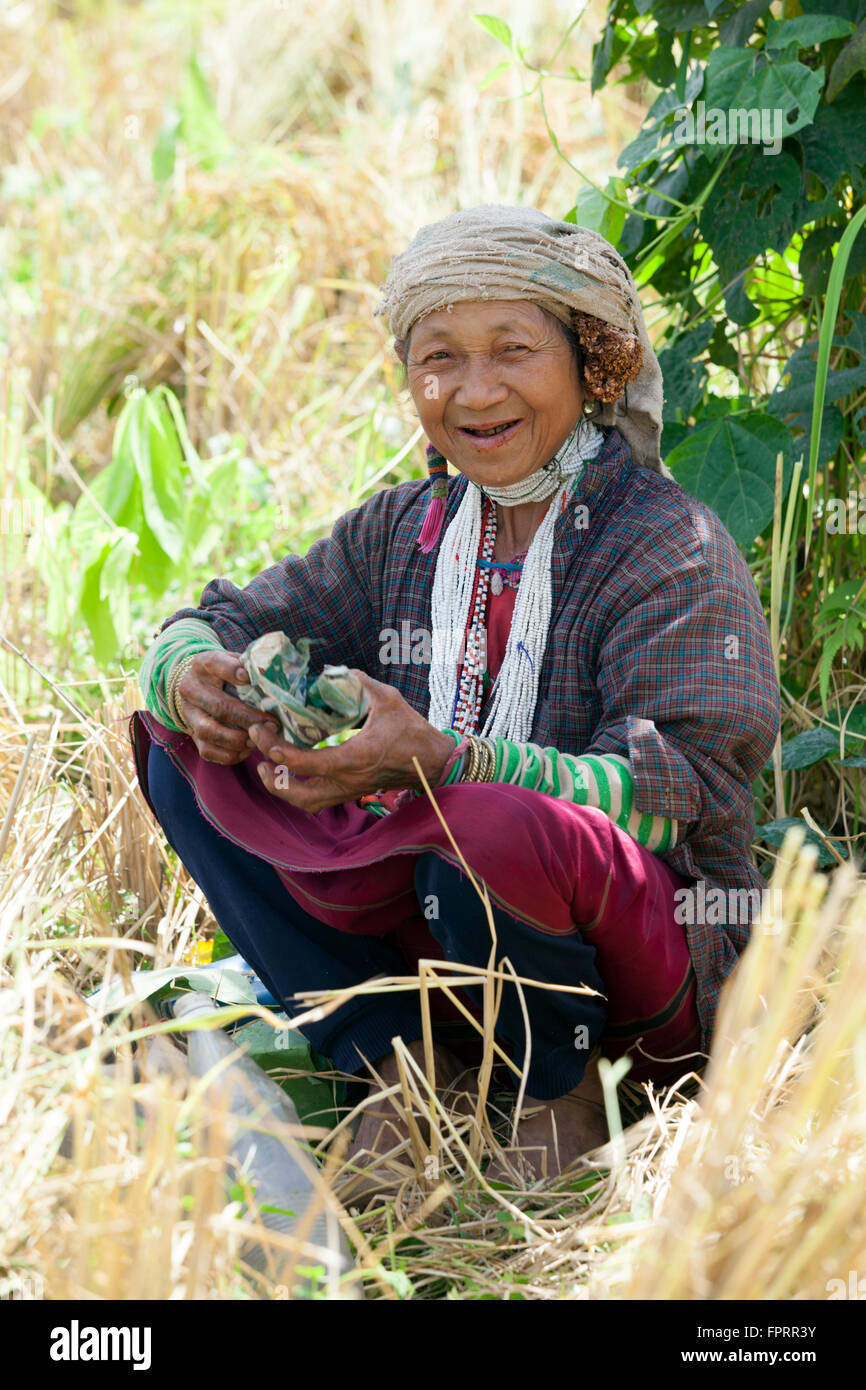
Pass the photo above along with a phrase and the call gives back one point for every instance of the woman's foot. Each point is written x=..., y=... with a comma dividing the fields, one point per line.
x=383, y=1128
x=552, y=1134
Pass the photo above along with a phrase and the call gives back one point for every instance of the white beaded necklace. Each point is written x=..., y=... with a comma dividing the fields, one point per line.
x=515, y=691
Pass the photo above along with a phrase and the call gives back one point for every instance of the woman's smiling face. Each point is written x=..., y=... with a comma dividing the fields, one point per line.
x=486, y=364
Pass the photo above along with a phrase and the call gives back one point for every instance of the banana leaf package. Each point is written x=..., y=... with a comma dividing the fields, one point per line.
x=308, y=710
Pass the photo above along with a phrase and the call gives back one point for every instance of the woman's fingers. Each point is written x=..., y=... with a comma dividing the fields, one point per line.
x=202, y=688
x=211, y=753
x=310, y=795
x=206, y=730
x=194, y=690
x=307, y=762
x=222, y=666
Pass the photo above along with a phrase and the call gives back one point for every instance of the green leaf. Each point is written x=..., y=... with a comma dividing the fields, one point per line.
x=741, y=79
x=774, y=832
x=398, y=1279
x=492, y=75
x=205, y=517
x=738, y=26
x=838, y=625
x=730, y=464
x=165, y=150
x=756, y=205
x=806, y=30
x=159, y=466
x=816, y=258
x=851, y=60
x=598, y=213
x=224, y=986
x=658, y=127
x=496, y=27
x=673, y=15
x=203, y=132
x=683, y=376
x=103, y=634
x=222, y=947
x=808, y=748
x=794, y=394
x=601, y=56
x=834, y=145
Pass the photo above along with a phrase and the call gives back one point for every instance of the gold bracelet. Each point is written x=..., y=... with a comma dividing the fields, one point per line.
x=175, y=676
x=490, y=770
x=471, y=768
x=481, y=760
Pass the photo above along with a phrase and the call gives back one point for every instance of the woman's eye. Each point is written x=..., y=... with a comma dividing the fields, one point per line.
x=515, y=347
x=437, y=356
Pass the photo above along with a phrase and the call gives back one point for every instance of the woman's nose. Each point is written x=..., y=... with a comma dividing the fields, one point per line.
x=480, y=384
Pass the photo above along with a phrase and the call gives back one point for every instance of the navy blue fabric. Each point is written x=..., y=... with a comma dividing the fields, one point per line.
x=290, y=950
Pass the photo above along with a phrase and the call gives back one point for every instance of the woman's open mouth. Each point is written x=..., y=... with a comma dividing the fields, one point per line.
x=490, y=436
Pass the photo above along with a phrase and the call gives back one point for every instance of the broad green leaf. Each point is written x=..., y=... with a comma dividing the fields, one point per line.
x=756, y=205
x=598, y=213
x=737, y=28
x=202, y=130
x=774, y=832
x=851, y=60
x=116, y=481
x=165, y=149
x=164, y=497
x=741, y=79
x=154, y=569
x=601, y=57
x=816, y=258
x=673, y=15
x=839, y=625
x=730, y=464
x=496, y=27
x=835, y=144
x=156, y=454
x=795, y=390
x=803, y=750
x=683, y=376
x=806, y=30
x=114, y=584
x=222, y=947
x=660, y=123
x=840, y=599
x=169, y=400
x=96, y=613
x=205, y=517
x=224, y=986
x=772, y=285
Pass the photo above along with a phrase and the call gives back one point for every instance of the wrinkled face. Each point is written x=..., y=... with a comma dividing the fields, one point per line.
x=494, y=365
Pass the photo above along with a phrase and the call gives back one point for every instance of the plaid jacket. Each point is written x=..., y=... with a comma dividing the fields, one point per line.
x=658, y=650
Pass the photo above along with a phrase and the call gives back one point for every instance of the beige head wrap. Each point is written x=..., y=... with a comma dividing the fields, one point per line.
x=500, y=252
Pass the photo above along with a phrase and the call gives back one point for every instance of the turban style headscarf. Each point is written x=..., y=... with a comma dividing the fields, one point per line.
x=500, y=252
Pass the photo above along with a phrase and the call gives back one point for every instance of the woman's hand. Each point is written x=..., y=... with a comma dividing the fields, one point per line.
x=217, y=722
x=377, y=758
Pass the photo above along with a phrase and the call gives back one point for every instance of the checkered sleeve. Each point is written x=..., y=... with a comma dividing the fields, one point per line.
x=690, y=695
x=324, y=595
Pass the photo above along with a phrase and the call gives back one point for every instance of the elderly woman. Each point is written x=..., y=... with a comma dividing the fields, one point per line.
x=592, y=736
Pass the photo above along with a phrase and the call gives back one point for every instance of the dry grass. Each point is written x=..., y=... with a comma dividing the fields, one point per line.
x=749, y=1188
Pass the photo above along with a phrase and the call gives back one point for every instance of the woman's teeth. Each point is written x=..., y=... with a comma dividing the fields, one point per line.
x=485, y=434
